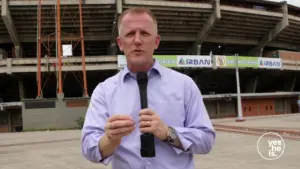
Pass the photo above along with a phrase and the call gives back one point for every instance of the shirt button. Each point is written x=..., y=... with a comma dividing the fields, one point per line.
x=148, y=163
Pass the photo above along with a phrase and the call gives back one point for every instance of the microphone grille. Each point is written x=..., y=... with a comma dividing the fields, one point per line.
x=142, y=77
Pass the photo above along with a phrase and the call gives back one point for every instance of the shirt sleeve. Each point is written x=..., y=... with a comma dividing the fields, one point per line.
x=198, y=135
x=93, y=128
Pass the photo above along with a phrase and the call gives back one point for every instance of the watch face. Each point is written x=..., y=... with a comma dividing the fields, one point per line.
x=173, y=134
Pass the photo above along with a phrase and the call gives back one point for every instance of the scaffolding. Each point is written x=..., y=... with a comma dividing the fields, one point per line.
x=56, y=36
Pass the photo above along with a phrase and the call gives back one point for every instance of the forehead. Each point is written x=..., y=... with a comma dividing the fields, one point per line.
x=137, y=21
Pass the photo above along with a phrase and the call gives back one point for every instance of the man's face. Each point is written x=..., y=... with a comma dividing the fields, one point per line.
x=138, y=38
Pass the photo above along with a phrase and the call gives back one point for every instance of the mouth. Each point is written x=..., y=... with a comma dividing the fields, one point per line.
x=137, y=51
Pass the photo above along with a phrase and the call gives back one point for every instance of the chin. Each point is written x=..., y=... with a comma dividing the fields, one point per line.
x=138, y=61
x=138, y=58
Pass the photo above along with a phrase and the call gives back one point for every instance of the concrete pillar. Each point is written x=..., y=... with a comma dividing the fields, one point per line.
x=251, y=86
x=195, y=78
x=60, y=96
x=290, y=84
x=113, y=48
x=208, y=26
x=214, y=61
x=287, y=106
x=119, y=5
x=218, y=108
x=199, y=50
x=280, y=26
x=21, y=90
x=9, y=122
x=9, y=65
x=18, y=51
x=10, y=26
x=3, y=54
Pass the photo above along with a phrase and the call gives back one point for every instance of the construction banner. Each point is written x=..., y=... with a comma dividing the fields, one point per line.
x=247, y=62
x=174, y=61
x=230, y=61
x=205, y=61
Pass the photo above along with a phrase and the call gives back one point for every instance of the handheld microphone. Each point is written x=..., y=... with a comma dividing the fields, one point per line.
x=147, y=139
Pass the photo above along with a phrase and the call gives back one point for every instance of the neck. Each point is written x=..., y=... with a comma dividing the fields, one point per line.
x=145, y=67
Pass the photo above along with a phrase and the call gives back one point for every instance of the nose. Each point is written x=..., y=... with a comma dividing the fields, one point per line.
x=137, y=38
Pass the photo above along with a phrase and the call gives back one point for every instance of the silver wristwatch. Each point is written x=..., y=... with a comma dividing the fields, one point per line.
x=171, y=135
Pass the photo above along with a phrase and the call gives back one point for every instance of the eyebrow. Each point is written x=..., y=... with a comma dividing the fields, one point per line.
x=142, y=31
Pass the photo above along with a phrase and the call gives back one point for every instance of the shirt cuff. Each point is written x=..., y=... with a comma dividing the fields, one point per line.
x=104, y=161
x=185, y=143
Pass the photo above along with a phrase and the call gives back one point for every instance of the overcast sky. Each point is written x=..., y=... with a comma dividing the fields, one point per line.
x=292, y=2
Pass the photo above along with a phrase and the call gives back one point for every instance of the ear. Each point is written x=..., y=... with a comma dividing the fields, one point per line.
x=120, y=44
x=157, y=41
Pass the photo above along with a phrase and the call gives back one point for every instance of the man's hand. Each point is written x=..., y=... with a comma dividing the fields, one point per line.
x=150, y=122
x=118, y=126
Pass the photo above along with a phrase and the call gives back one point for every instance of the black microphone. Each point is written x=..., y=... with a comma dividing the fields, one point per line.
x=147, y=139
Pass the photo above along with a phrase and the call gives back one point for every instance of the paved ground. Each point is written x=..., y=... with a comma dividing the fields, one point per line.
x=287, y=126
x=284, y=122
x=232, y=151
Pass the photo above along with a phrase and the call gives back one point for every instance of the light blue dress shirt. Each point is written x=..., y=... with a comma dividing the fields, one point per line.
x=177, y=100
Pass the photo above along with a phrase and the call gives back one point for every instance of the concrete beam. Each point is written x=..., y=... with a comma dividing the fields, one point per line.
x=295, y=18
x=232, y=40
x=9, y=23
x=62, y=2
x=253, y=95
x=99, y=38
x=254, y=17
x=229, y=26
x=280, y=26
x=226, y=40
x=72, y=68
x=237, y=33
x=289, y=46
x=66, y=38
x=208, y=26
x=168, y=4
x=249, y=11
x=247, y=20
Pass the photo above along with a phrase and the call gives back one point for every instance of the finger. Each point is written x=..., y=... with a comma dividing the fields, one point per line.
x=146, y=130
x=125, y=134
x=120, y=124
x=144, y=124
x=119, y=117
x=118, y=136
x=146, y=112
x=121, y=131
x=146, y=118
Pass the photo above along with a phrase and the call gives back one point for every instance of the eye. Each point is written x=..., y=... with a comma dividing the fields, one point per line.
x=144, y=33
x=130, y=34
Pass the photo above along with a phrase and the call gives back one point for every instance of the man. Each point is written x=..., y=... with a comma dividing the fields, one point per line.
x=176, y=116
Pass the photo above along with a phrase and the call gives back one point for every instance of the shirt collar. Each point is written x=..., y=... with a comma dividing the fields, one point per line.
x=156, y=69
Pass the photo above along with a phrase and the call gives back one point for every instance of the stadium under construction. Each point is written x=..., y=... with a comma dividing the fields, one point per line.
x=244, y=56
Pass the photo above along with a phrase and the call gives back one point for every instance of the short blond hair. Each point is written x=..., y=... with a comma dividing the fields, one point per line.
x=137, y=10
